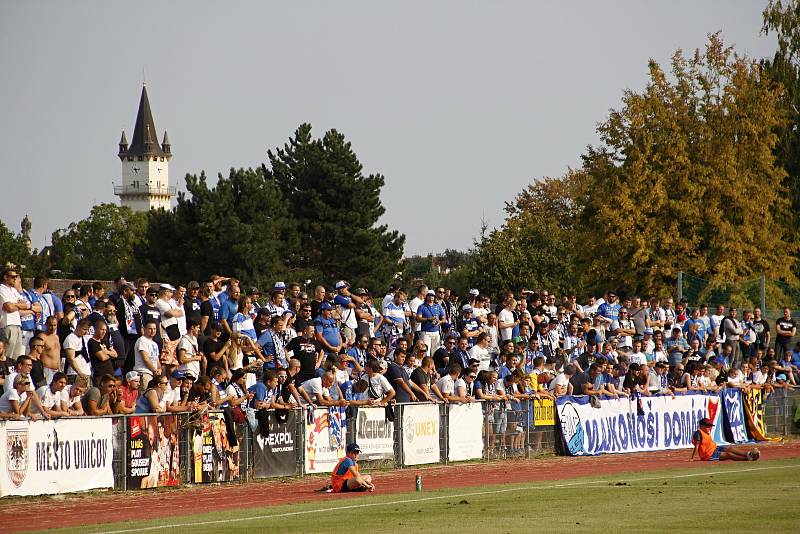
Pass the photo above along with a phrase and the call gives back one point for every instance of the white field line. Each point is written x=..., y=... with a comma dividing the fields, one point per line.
x=438, y=498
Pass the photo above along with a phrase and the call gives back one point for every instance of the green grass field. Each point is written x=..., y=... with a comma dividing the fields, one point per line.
x=729, y=497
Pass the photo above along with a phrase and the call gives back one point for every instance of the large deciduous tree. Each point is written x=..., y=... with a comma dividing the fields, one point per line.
x=336, y=209
x=685, y=179
x=100, y=246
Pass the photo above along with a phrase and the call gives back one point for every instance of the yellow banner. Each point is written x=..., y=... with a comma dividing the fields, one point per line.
x=544, y=412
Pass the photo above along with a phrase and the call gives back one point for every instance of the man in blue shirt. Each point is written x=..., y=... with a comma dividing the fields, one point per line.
x=609, y=311
x=467, y=325
x=327, y=331
x=701, y=326
x=229, y=308
x=430, y=315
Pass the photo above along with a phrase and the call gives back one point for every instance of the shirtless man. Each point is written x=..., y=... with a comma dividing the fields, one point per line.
x=51, y=356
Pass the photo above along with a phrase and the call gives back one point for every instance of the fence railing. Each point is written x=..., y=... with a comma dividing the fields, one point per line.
x=154, y=450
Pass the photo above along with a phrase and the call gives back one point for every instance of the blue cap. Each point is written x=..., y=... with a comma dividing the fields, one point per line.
x=325, y=305
x=279, y=285
x=353, y=447
x=178, y=374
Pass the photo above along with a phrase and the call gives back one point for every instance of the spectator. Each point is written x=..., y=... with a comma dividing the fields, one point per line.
x=128, y=394
x=189, y=357
x=98, y=401
x=101, y=357
x=78, y=364
x=53, y=397
x=11, y=304
x=785, y=330
x=154, y=398
x=170, y=316
x=21, y=399
x=327, y=332
x=317, y=391
x=51, y=355
x=424, y=377
x=147, y=362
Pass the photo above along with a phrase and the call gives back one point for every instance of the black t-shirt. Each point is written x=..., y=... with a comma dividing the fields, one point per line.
x=151, y=313
x=315, y=308
x=761, y=328
x=441, y=358
x=211, y=346
x=99, y=368
x=577, y=381
x=393, y=374
x=785, y=324
x=421, y=378
x=207, y=310
x=305, y=351
x=722, y=378
x=300, y=324
x=191, y=309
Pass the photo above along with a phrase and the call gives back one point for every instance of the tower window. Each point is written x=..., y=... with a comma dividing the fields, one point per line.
x=140, y=158
x=162, y=158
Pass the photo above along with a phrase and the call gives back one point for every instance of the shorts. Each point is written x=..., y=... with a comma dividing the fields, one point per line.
x=346, y=489
x=719, y=450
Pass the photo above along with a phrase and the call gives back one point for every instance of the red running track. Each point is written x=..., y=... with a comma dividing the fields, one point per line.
x=41, y=513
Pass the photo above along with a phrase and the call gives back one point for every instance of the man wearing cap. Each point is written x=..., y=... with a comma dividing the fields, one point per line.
x=347, y=310
x=395, y=317
x=150, y=312
x=414, y=305
x=429, y=316
x=707, y=449
x=345, y=476
x=327, y=332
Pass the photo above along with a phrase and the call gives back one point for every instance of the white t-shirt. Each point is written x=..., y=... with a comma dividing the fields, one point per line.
x=506, y=316
x=378, y=386
x=9, y=294
x=637, y=357
x=480, y=354
x=560, y=380
x=446, y=385
x=165, y=306
x=414, y=304
x=716, y=322
x=149, y=347
x=181, y=319
x=8, y=396
x=189, y=344
x=314, y=387
x=75, y=343
x=50, y=399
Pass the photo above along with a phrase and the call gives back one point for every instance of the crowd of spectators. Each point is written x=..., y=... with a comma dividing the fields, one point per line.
x=137, y=348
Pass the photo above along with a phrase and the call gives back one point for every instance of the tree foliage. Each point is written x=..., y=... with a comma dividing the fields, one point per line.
x=100, y=246
x=336, y=209
x=12, y=248
x=535, y=247
x=685, y=179
x=240, y=227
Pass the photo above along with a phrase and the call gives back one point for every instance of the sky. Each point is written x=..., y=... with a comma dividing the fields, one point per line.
x=459, y=104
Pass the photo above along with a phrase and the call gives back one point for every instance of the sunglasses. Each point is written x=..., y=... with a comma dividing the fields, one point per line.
x=25, y=383
x=163, y=383
x=472, y=376
x=69, y=296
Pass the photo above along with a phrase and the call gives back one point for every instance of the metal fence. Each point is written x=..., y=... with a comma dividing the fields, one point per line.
x=780, y=412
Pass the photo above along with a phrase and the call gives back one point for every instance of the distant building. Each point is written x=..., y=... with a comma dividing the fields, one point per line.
x=145, y=164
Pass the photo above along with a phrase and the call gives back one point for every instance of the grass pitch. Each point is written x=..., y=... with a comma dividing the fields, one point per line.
x=717, y=497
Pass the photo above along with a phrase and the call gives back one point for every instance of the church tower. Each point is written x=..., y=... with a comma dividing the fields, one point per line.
x=145, y=164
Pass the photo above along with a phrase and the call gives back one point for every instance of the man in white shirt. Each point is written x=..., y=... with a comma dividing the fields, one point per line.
x=414, y=304
x=11, y=303
x=53, y=397
x=480, y=351
x=506, y=320
x=450, y=383
x=378, y=387
x=317, y=391
x=188, y=353
x=147, y=362
x=77, y=353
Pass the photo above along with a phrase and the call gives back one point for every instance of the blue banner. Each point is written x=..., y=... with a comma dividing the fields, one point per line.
x=735, y=427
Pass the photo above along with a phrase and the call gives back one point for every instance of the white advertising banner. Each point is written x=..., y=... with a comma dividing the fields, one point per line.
x=374, y=434
x=62, y=456
x=420, y=434
x=325, y=441
x=464, y=432
x=621, y=425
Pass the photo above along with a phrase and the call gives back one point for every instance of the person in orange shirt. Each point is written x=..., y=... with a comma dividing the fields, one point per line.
x=345, y=476
x=707, y=449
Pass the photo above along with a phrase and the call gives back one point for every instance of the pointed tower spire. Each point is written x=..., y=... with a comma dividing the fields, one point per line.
x=123, y=145
x=144, y=141
x=165, y=146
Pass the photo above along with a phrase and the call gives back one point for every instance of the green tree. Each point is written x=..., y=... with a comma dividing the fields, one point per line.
x=783, y=19
x=12, y=248
x=534, y=248
x=240, y=227
x=337, y=210
x=685, y=179
x=100, y=246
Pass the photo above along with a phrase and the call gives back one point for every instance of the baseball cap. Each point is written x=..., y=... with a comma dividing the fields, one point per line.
x=128, y=285
x=189, y=376
x=254, y=291
x=325, y=306
x=648, y=331
x=360, y=291
x=131, y=376
x=706, y=422
x=287, y=312
x=166, y=286
x=430, y=293
x=177, y=374
x=341, y=284
x=263, y=311
x=474, y=292
x=279, y=285
x=353, y=447
x=466, y=307
x=193, y=285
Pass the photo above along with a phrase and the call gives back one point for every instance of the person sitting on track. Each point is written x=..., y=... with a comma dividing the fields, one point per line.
x=707, y=449
x=345, y=476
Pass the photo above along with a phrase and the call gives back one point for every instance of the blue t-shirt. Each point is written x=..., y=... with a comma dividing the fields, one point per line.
x=328, y=329
x=28, y=322
x=701, y=327
x=342, y=300
x=609, y=311
x=58, y=306
x=228, y=311
x=345, y=466
x=430, y=311
x=471, y=325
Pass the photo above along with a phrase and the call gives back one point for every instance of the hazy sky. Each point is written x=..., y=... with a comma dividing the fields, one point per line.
x=458, y=104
